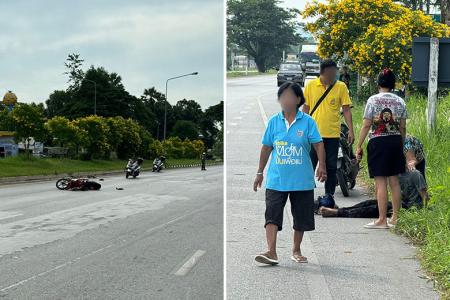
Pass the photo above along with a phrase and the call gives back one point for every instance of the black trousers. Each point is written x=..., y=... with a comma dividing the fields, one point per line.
x=331, y=152
x=365, y=209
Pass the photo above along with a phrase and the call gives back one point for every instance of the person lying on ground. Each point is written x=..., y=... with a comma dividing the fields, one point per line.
x=414, y=194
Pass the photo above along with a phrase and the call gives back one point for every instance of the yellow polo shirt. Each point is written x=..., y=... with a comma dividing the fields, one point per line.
x=327, y=115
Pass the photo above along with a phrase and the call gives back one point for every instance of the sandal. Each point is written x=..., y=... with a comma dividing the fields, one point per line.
x=372, y=225
x=298, y=258
x=265, y=258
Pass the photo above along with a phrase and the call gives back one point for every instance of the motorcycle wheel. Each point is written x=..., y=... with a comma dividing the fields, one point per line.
x=62, y=184
x=352, y=184
x=126, y=175
x=342, y=183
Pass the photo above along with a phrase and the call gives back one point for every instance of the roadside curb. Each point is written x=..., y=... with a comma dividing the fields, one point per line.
x=38, y=178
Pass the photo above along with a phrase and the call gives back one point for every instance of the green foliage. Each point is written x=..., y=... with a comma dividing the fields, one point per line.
x=94, y=136
x=28, y=121
x=185, y=130
x=263, y=28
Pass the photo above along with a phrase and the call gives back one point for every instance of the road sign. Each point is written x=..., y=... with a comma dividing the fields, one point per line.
x=421, y=61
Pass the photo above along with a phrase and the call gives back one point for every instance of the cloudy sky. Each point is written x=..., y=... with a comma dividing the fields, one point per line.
x=144, y=41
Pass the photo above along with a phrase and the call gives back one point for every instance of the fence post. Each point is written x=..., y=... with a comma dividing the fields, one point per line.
x=432, y=84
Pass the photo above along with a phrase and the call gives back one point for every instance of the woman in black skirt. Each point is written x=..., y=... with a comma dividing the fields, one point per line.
x=385, y=122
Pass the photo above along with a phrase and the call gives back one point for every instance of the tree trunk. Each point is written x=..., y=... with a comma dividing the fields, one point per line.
x=260, y=64
x=445, y=12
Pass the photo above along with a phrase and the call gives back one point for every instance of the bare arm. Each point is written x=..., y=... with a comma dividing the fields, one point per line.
x=263, y=158
x=321, y=171
x=362, y=136
x=347, y=111
x=411, y=161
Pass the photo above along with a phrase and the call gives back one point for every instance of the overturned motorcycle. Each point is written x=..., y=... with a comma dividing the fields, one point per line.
x=78, y=184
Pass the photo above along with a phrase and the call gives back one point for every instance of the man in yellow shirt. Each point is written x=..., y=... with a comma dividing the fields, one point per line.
x=327, y=117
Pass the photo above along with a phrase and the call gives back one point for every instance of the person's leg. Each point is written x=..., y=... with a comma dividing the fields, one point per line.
x=271, y=236
x=275, y=202
x=331, y=151
x=302, y=208
x=382, y=198
x=396, y=197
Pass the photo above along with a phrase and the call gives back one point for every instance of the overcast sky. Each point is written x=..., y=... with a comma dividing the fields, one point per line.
x=144, y=41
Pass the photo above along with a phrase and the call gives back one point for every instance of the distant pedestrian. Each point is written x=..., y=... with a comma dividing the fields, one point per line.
x=203, y=161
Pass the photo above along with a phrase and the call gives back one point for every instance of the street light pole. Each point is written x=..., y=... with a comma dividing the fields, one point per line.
x=165, y=102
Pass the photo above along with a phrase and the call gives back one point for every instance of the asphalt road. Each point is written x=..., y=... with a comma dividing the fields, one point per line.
x=161, y=237
x=346, y=261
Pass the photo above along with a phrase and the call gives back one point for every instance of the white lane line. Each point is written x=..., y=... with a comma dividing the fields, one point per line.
x=243, y=112
x=316, y=282
x=237, y=118
x=190, y=263
x=233, y=124
x=261, y=108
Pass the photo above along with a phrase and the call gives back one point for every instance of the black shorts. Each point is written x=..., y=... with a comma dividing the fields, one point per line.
x=302, y=208
x=385, y=156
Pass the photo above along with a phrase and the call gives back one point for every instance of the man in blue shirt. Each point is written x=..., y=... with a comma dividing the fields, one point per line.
x=288, y=139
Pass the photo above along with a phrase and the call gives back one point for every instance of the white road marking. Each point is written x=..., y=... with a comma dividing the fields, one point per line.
x=243, y=112
x=15, y=236
x=53, y=269
x=9, y=214
x=237, y=118
x=97, y=251
x=233, y=124
x=316, y=282
x=190, y=263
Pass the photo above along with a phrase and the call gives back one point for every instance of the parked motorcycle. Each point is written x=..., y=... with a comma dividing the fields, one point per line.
x=78, y=184
x=158, y=163
x=347, y=164
x=133, y=167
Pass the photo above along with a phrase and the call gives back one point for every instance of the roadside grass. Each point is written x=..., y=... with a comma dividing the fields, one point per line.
x=236, y=74
x=427, y=228
x=31, y=166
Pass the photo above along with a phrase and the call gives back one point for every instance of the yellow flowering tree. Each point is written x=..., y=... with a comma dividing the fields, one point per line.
x=373, y=33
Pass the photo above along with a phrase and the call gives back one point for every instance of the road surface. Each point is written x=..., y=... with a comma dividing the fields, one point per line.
x=346, y=261
x=161, y=237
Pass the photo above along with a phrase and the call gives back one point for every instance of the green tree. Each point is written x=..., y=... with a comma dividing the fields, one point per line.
x=262, y=28
x=217, y=149
x=6, y=121
x=185, y=130
x=188, y=110
x=28, y=121
x=95, y=136
x=65, y=133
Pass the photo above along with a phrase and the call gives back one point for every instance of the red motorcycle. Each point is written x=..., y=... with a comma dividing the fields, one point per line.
x=78, y=184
